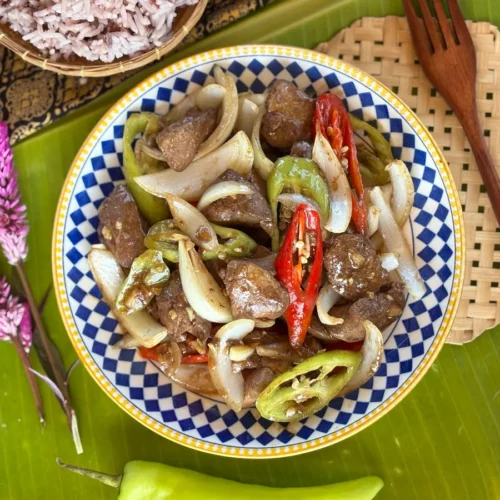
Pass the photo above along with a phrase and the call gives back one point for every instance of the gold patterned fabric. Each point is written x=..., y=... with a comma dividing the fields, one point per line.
x=31, y=98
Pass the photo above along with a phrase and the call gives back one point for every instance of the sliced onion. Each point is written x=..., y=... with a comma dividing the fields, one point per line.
x=223, y=190
x=200, y=98
x=291, y=200
x=230, y=385
x=170, y=359
x=247, y=114
x=395, y=243
x=327, y=298
x=403, y=192
x=338, y=185
x=154, y=153
x=373, y=215
x=192, y=223
x=127, y=342
x=258, y=99
x=109, y=277
x=389, y=261
x=236, y=154
x=195, y=377
x=202, y=291
x=229, y=114
x=372, y=351
x=262, y=163
x=210, y=96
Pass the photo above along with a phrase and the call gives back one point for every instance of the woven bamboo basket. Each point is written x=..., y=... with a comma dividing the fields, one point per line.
x=185, y=20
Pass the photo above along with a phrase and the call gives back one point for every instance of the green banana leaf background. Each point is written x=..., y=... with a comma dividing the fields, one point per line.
x=441, y=442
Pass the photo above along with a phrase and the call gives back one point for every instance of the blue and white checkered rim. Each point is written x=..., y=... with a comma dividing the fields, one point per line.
x=435, y=229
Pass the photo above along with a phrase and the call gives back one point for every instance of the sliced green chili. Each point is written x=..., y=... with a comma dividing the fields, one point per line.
x=147, y=274
x=153, y=209
x=164, y=236
x=308, y=387
x=300, y=175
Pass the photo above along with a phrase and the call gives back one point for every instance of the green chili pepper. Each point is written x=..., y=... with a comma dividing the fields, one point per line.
x=153, y=481
x=153, y=209
x=148, y=164
x=164, y=236
x=301, y=175
x=236, y=244
x=308, y=387
x=148, y=272
x=380, y=144
x=372, y=168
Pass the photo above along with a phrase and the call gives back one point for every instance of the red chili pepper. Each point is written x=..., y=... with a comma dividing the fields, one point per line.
x=152, y=353
x=195, y=358
x=332, y=120
x=290, y=271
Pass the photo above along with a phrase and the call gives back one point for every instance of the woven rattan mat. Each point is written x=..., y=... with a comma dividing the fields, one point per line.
x=383, y=48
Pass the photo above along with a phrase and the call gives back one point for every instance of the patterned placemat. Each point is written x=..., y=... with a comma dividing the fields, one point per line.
x=383, y=48
x=31, y=98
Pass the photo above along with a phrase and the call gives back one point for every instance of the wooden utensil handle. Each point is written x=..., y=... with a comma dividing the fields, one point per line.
x=484, y=161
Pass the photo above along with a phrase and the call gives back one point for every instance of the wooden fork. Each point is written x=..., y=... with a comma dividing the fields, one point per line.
x=448, y=59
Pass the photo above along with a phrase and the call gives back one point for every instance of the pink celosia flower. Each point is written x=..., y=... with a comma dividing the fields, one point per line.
x=13, y=224
x=11, y=312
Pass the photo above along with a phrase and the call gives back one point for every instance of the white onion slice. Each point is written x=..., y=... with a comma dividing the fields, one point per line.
x=193, y=223
x=372, y=351
x=223, y=190
x=327, y=298
x=230, y=385
x=292, y=200
x=395, y=243
x=258, y=99
x=109, y=277
x=152, y=152
x=403, y=192
x=262, y=163
x=202, y=291
x=195, y=377
x=229, y=114
x=209, y=94
x=338, y=185
x=389, y=261
x=236, y=154
x=373, y=216
x=247, y=114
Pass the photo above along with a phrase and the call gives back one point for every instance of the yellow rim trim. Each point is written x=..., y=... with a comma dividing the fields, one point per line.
x=449, y=315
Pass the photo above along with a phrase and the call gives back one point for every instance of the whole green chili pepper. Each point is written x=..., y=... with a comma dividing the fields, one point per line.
x=153, y=481
x=301, y=175
x=153, y=209
x=308, y=387
x=148, y=272
x=164, y=236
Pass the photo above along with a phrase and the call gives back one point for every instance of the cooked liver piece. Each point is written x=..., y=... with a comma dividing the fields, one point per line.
x=121, y=227
x=254, y=293
x=180, y=142
x=172, y=310
x=240, y=210
x=302, y=149
x=289, y=115
x=381, y=309
x=353, y=266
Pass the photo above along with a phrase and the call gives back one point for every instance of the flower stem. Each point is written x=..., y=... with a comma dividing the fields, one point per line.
x=45, y=341
x=25, y=360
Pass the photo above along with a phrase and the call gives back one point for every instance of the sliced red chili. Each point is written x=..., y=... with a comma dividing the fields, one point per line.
x=152, y=354
x=332, y=120
x=290, y=270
